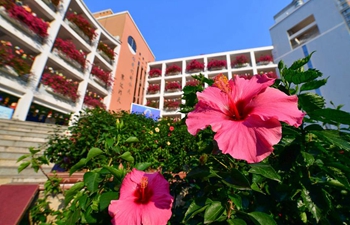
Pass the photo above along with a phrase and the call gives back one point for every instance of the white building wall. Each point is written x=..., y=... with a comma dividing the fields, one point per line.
x=331, y=46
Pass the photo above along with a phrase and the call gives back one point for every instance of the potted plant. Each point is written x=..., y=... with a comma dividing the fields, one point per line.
x=194, y=66
x=192, y=83
x=66, y=48
x=101, y=76
x=107, y=52
x=153, y=88
x=30, y=23
x=93, y=100
x=152, y=103
x=171, y=104
x=173, y=70
x=57, y=83
x=240, y=61
x=216, y=64
x=264, y=60
x=173, y=86
x=155, y=72
x=83, y=24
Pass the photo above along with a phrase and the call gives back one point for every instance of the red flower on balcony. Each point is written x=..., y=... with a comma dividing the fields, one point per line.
x=68, y=48
x=172, y=103
x=265, y=58
x=94, y=100
x=195, y=65
x=34, y=23
x=155, y=72
x=173, y=85
x=61, y=85
x=216, y=64
x=239, y=61
x=107, y=50
x=153, y=103
x=83, y=24
x=192, y=83
x=103, y=75
x=153, y=88
x=173, y=69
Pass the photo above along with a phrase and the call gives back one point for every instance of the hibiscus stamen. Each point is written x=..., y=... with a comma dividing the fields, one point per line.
x=143, y=186
x=221, y=82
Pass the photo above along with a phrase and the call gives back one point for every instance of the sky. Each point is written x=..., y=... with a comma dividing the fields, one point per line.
x=183, y=28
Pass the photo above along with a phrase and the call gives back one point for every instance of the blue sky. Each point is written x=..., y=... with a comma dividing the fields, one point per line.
x=181, y=28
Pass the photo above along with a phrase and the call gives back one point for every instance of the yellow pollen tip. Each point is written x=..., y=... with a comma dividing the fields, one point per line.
x=144, y=182
x=221, y=82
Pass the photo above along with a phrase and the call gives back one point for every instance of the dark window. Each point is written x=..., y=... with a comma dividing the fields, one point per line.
x=132, y=43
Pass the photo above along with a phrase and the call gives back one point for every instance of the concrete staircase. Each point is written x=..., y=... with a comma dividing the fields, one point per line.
x=15, y=139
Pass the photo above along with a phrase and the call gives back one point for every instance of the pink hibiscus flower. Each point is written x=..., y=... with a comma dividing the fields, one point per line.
x=245, y=115
x=144, y=199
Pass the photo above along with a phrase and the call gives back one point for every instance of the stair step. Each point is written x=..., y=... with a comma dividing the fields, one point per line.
x=23, y=150
x=28, y=123
x=19, y=143
x=13, y=171
x=23, y=134
x=23, y=179
x=23, y=138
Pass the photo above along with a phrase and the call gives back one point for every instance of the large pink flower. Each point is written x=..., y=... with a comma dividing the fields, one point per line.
x=245, y=115
x=144, y=199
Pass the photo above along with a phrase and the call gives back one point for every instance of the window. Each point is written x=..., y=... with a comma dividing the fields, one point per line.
x=132, y=44
x=304, y=31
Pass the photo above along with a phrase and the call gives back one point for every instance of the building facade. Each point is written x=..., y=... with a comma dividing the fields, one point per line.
x=321, y=26
x=164, y=85
x=130, y=76
x=59, y=63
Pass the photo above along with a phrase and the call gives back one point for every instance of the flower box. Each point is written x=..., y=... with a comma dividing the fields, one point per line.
x=78, y=31
x=93, y=100
x=52, y=4
x=171, y=109
x=153, y=89
x=67, y=59
x=173, y=86
x=216, y=65
x=52, y=92
x=155, y=72
x=171, y=104
x=192, y=83
x=195, y=66
x=264, y=60
x=105, y=57
x=153, y=103
x=173, y=70
x=240, y=61
x=101, y=76
x=106, y=51
x=264, y=63
x=99, y=81
x=8, y=71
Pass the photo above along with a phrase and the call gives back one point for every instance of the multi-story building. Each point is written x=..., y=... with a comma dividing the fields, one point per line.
x=48, y=53
x=169, y=83
x=321, y=26
x=134, y=55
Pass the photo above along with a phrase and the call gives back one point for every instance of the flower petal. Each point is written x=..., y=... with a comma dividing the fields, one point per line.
x=153, y=215
x=250, y=140
x=276, y=104
x=124, y=212
x=129, y=185
x=210, y=110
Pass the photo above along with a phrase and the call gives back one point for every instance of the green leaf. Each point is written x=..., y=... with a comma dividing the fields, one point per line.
x=33, y=151
x=23, y=166
x=310, y=102
x=132, y=140
x=93, y=153
x=197, y=206
x=301, y=62
x=314, y=84
x=265, y=171
x=91, y=180
x=237, y=180
x=260, y=218
x=127, y=157
x=333, y=137
x=335, y=115
x=143, y=166
x=213, y=212
x=69, y=195
x=237, y=200
x=118, y=173
x=77, y=166
x=106, y=199
x=255, y=187
x=199, y=171
x=73, y=219
x=311, y=206
x=236, y=222
x=308, y=158
x=23, y=157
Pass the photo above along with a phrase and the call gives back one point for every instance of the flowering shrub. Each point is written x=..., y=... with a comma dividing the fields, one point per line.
x=61, y=85
x=36, y=24
x=15, y=57
x=103, y=75
x=265, y=58
x=192, y=82
x=93, y=100
x=155, y=72
x=216, y=64
x=152, y=88
x=106, y=49
x=240, y=60
x=171, y=103
x=173, y=85
x=194, y=64
x=68, y=48
x=153, y=103
x=173, y=69
x=83, y=24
